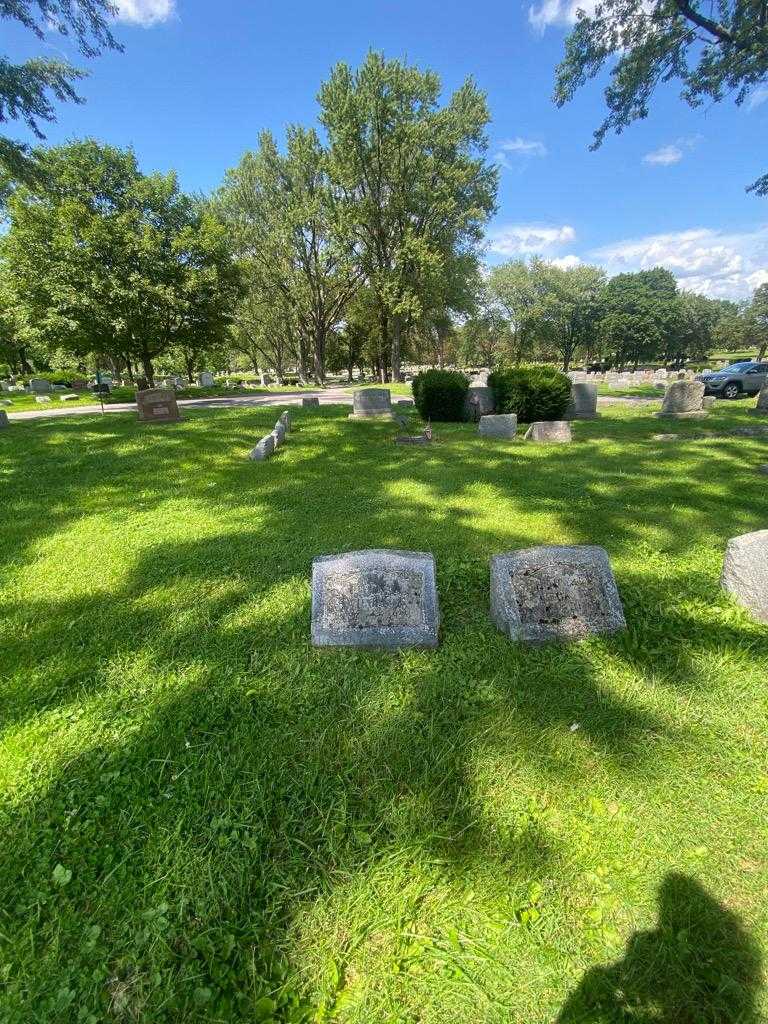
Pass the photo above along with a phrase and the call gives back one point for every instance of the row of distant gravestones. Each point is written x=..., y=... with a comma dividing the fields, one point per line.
x=388, y=599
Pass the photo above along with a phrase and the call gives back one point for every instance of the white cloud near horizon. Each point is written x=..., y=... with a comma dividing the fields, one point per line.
x=566, y=262
x=518, y=147
x=664, y=156
x=722, y=265
x=757, y=97
x=529, y=239
x=145, y=12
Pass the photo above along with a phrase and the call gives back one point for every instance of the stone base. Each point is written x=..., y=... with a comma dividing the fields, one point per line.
x=370, y=416
x=584, y=416
x=697, y=414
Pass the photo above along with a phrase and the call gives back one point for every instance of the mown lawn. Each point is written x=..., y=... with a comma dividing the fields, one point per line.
x=205, y=819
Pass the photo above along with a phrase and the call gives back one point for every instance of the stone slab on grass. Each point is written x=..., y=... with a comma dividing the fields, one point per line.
x=555, y=593
x=502, y=425
x=376, y=598
x=263, y=450
x=549, y=432
x=745, y=572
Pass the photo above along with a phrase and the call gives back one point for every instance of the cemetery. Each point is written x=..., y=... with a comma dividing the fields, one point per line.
x=384, y=513
x=342, y=677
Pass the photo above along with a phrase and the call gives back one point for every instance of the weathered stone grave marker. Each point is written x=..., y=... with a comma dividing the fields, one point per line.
x=310, y=402
x=376, y=598
x=157, y=405
x=582, y=404
x=761, y=409
x=682, y=400
x=206, y=379
x=371, y=403
x=549, y=432
x=479, y=401
x=263, y=450
x=503, y=425
x=4, y=421
x=745, y=572
x=555, y=593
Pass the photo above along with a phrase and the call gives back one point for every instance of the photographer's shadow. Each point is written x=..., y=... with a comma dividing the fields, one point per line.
x=698, y=966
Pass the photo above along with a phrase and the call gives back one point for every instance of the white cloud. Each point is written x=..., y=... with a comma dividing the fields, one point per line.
x=757, y=97
x=146, y=12
x=529, y=239
x=523, y=147
x=715, y=263
x=665, y=155
x=558, y=12
x=566, y=262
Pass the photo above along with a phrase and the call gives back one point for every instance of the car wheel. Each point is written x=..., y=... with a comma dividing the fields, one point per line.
x=731, y=390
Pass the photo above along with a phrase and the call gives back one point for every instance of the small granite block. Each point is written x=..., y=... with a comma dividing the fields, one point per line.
x=278, y=433
x=67, y=398
x=683, y=400
x=157, y=405
x=42, y=399
x=263, y=450
x=310, y=402
x=549, y=431
x=370, y=403
x=404, y=403
x=376, y=598
x=555, y=593
x=745, y=572
x=503, y=425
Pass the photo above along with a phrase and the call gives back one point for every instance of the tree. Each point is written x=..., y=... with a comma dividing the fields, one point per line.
x=25, y=89
x=282, y=211
x=639, y=314
x=569, y=306
x=758, y=316
x=413, y=188
x=515, y=289
x=134, y=267
x=713, y=50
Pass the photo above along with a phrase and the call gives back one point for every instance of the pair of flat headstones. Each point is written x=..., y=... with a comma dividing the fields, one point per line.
x=388, y=599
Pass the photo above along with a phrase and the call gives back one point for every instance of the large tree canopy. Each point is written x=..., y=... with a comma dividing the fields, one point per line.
x=27, y=90
x=714, y=50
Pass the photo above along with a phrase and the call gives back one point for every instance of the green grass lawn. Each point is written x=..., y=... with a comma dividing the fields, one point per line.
x=397, y=390
x=205, y=819
x=639, y=391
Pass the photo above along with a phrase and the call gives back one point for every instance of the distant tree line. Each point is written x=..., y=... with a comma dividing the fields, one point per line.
x=358, y=249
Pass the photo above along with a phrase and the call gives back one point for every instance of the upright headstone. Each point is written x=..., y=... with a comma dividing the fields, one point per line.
x=5, y=385
x=582, y=404
x=4, y=421
x=206, y=379
x=555, y=593
x=263, y=449
x=479, y=401
x=503, y=425
x=38, y=386
x=310, y=402
x=480, y=379
x=278, y=433
x=708, y=402
x=375, y=598
x=549, y=432
x=285, y=419
x=745, y=572
x=761, y=409
x=404, y=403
x=371, y=403
x=157, y=405
x=682, y=400
x=79, y=384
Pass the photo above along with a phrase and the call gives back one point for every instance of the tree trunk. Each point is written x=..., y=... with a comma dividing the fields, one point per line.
x=761, y=351
x=23, y=361
x=396, y=332
x=149, y=371
x=319, y=355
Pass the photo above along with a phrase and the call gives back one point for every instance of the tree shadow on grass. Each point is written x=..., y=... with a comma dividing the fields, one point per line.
x=698, y=966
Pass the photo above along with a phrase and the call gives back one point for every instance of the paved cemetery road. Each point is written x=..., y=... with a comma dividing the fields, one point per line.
x=329, y=396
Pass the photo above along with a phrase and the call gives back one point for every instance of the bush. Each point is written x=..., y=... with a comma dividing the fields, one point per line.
x=533, y=392
x=439, y=395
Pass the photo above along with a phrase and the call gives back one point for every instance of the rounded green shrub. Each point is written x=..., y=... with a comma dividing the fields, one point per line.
x=439, y=395
x=533, y=392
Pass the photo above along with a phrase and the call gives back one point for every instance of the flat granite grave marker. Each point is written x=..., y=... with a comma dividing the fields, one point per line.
x=549, y=432
x=157, y=405
x=310, y=402
x=263, y=450
x=376, y=598
x=503, y=425
x=555, y=593
x=745, y=572
x=683, y=400
x=371, y=403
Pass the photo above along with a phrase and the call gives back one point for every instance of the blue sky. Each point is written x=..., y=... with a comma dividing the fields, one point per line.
x=198, y=81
